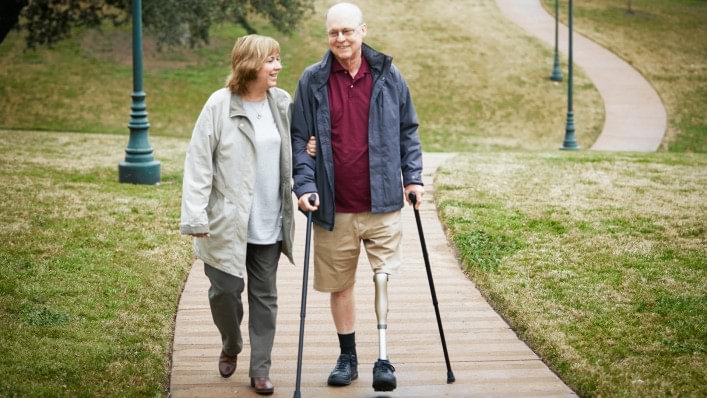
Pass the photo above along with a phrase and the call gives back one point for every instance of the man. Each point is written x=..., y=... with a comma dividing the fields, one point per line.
x=357, y=104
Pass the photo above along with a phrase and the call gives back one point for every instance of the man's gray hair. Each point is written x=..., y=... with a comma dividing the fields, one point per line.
x=348, y=8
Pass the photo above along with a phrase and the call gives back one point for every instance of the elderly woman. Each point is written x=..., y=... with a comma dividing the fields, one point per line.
x=237, y=201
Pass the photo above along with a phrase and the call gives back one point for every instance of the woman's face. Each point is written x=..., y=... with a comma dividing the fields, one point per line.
x=267, y=75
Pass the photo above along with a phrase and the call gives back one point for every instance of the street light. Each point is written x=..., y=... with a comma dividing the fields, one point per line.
x=556, y=75
x=139, y=166
x=570, y=143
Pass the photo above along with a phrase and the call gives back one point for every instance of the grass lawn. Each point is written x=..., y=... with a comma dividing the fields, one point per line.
x=665, y=41
x=478, y=81
x=90, y=269
x=598, y=261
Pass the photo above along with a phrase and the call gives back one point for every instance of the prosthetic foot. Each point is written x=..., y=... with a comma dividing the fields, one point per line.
x=383, y=371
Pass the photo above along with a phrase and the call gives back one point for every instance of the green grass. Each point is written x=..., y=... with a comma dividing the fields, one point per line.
x=478, y=81
x=90, y=269
x=599, y=261
x=665, y=41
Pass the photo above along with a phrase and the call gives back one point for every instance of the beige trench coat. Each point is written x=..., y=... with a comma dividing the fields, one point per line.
x=219, y=178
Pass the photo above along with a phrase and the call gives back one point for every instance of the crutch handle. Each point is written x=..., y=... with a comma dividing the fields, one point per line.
x=312, y=199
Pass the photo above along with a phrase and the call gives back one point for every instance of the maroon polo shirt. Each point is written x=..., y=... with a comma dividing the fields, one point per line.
x=349, y=102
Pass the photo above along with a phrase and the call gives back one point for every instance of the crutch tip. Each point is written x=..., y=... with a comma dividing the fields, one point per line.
x=450, y=377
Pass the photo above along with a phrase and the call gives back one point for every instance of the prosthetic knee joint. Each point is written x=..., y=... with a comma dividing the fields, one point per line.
x=381, y=281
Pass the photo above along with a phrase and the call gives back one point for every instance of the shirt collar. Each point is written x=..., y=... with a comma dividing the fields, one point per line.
x=362, y=70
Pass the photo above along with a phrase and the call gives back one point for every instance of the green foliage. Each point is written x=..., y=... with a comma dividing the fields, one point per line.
x=173, y=22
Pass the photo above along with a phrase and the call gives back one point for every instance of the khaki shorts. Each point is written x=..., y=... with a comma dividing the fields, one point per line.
x=336, y=252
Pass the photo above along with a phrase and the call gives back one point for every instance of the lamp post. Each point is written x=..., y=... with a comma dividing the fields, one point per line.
x=570, y=143
x=139, y=166
x=556, y=75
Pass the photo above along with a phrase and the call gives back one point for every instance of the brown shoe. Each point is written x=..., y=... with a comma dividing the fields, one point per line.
x=262, y=385
x=227, y=364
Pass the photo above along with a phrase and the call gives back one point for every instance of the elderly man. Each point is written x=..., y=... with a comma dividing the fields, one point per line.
x=358, y=106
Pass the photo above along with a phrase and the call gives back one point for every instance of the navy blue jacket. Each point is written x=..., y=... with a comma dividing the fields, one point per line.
x=393, y=143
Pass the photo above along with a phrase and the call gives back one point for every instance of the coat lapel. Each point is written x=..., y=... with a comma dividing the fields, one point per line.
x=237, y=110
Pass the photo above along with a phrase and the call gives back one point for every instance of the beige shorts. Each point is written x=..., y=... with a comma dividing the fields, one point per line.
x=336, y=252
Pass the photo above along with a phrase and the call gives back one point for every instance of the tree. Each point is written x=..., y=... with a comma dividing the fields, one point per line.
x=173, y=22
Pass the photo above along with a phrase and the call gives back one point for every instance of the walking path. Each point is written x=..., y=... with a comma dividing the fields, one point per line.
x=635, y=115
x=487, y=357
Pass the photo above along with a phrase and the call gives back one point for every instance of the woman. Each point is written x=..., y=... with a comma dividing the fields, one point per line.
x=237, y=200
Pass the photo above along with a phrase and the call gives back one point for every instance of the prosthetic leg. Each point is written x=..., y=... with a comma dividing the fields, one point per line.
x=381, y=281
x=383, y=371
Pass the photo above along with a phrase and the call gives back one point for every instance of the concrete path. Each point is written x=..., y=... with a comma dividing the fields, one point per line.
x=635, y=115
x=488, y=359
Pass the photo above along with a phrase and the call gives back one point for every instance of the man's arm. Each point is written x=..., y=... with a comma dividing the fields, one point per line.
x=301, y=129
x=410, y=148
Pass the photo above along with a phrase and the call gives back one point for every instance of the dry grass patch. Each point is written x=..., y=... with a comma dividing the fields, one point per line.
x=478, y=81
x=598, y=261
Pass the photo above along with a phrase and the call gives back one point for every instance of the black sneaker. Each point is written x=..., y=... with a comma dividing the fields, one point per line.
x=383, y=376
x=345, y=371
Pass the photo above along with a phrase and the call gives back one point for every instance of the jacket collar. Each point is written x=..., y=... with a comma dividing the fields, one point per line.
x=236, y=107
x=377, y=61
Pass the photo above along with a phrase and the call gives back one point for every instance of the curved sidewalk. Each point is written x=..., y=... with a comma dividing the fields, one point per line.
x=635, y=116
x=487, y=357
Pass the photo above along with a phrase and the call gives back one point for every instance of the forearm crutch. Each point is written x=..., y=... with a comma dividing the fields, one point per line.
x=303, y=309
x=413, y=200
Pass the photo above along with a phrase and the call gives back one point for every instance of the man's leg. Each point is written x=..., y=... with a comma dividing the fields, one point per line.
x=343, y=310
x=335, y=260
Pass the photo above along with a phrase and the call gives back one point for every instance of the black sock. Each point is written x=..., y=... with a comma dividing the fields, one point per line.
x=347, y=343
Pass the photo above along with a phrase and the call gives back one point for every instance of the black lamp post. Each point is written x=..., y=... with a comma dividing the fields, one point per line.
x=139, y=166
x=556, y=75
x=570, y=143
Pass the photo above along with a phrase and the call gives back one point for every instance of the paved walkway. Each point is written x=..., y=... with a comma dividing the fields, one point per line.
x=487, y=357
x=635, y=115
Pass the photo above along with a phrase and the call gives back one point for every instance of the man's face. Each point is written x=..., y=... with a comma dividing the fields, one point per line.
x=345, y=34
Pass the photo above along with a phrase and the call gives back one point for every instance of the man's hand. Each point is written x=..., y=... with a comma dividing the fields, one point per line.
x=418, y=190
x=304, y=205
x=312, y=146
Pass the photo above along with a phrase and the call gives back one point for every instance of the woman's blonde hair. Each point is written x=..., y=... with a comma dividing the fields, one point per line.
x=247, y=57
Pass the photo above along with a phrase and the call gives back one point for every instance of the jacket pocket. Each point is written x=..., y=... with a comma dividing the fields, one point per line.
x=222, y=224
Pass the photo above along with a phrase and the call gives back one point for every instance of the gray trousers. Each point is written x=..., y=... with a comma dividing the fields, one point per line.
x=227, y=306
